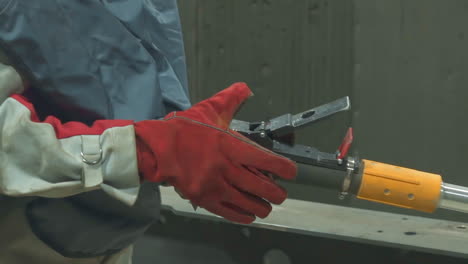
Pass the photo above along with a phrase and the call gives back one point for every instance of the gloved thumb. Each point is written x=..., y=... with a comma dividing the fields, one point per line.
x=226, y=103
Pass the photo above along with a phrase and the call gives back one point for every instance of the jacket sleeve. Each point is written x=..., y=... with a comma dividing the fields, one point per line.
x=53, y=159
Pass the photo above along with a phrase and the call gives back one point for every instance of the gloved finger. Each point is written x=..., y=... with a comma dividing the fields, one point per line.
x=245, y=152
x=254, y=182
x=226, y=103
x=230, y=212
x=249, y=203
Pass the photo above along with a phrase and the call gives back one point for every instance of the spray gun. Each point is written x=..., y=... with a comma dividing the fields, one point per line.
x=365, y=179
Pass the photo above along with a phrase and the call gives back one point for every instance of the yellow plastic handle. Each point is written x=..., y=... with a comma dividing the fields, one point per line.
x=402, y=187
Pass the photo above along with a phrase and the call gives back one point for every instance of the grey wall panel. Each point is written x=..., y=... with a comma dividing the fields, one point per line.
x=410, y=90
x=293, y=54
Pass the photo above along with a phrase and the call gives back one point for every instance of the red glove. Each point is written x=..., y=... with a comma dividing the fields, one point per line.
x=209, y=164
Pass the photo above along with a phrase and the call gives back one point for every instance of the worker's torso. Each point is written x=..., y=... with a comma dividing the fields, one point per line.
x=91, y=60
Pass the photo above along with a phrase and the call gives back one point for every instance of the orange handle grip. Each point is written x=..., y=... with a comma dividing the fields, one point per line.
x=397, y=186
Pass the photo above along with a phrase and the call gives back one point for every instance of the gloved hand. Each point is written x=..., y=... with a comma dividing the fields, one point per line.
x=209, y=164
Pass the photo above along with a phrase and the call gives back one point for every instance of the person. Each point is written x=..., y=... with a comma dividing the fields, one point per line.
x=95, y=116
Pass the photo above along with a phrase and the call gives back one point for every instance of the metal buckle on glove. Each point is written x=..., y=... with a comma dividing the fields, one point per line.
x=92, y=143
x=91, y=162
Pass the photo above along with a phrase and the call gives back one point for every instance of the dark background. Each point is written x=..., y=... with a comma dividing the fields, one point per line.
x=404, y=63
